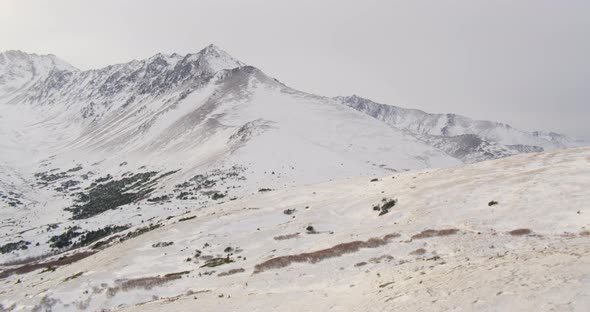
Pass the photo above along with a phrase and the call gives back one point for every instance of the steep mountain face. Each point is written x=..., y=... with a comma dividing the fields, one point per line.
x=91, y=151
x=19, y=71
x=461, y=137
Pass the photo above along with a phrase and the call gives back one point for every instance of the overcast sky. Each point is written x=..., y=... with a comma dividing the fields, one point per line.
x=524, y=62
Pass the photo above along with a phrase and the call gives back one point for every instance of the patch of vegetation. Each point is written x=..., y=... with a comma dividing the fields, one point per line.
x=492, y=203
x=520, y=232
x=186, y=218
x=143, y=283
x=286, y=236
x=211, y=263
x=385, y=205
x=289, y=211
x=130, y=235
x=201, y=184
x=102, y=179
x=69, y=278
x=433, y=233
x=65, y=239
x=217, y=196
x=162, y=244
x=46, y=178
x=10, y=247
x=30, y=267
x=264, y=190
x=66, y=185
x=113, y=194
x=231, y=272
x=158, y=199
x=320, y=255
x=418, y=252
x=75, y=169
x=184, y=195
x=140, y=231
x=92, y=236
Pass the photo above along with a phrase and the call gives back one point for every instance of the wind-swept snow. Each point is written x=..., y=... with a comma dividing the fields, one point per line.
x=444, y=245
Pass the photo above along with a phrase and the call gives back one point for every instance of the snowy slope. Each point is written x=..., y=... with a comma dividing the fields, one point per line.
x=444, y=245
x=87, y=150
x=461, y=137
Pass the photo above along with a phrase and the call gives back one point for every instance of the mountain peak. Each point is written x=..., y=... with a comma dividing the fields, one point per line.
x=11, y=58
x=20, y=70
x=216, y=59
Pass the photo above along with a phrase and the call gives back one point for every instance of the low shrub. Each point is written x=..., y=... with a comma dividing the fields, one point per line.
x=289, y=211
x=385, y=205
x=10, y=247
x=432, y=233
x=286, y=236
x=186, y=218
x=30, y=267
x=211, y=263
x=143, y=282
x=231, y=272
x=418, y=252
x=520, y=232
x=320, y=255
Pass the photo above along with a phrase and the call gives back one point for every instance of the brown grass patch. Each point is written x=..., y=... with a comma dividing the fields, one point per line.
x=585, y=233
x=286, y=236
x=520, y=232
x=49, y=264
x=319, y=255
x=231, y=272
x=143, y=282
x=418, y=252
x=433, y=233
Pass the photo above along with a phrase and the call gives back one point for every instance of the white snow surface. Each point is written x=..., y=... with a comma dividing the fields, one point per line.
x=481, y=266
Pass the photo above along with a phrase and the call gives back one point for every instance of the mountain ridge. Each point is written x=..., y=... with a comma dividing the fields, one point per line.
x=482, y=139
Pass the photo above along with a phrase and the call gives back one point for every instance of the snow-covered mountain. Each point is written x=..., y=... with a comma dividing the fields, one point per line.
x=461, y=137
x=89, y=150
x=19, y=71
x=93, y=158
x=86, y=153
